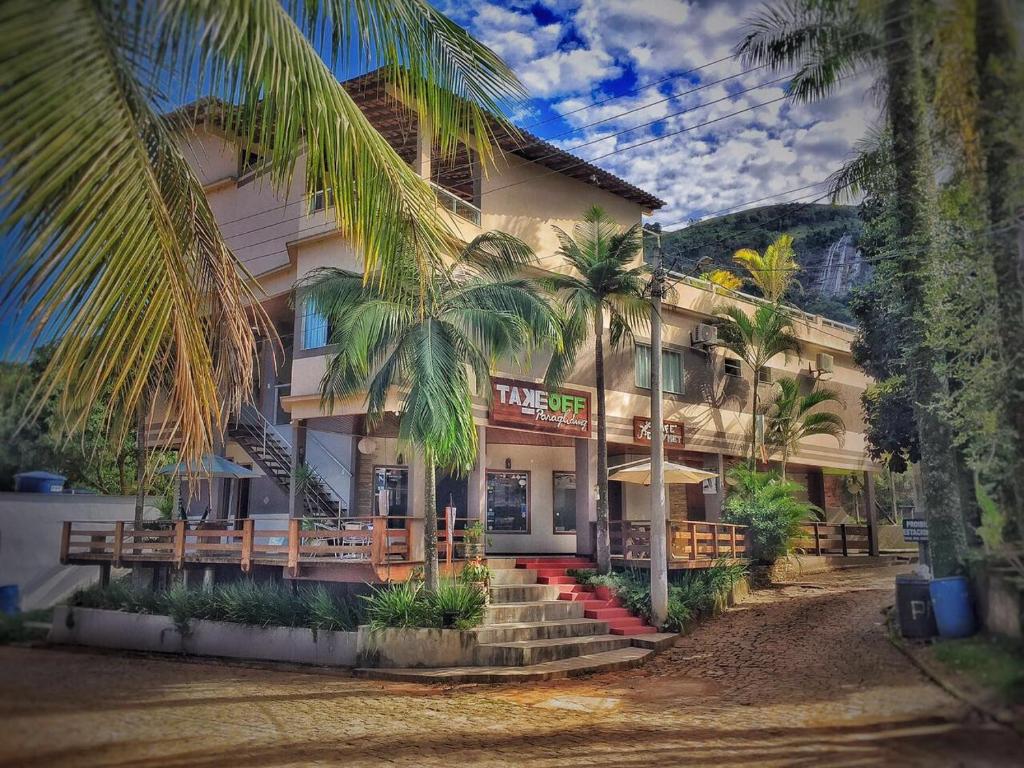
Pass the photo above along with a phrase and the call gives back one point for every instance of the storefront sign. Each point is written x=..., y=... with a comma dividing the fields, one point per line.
x=673, y=431
x=915, y=530
x=527, y=405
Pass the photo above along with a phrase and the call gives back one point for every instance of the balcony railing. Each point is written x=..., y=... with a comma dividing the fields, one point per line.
x=691, y=543
x=455, y=204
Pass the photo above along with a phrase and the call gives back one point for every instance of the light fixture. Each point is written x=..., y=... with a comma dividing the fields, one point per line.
x=508, y=463
x=366, y=446
x=400, y=459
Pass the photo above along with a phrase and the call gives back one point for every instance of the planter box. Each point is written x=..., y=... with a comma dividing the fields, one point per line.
x=415, y=648
x=144, y=632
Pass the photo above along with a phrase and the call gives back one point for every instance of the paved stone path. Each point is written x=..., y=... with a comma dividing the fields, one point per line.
x=800, y=676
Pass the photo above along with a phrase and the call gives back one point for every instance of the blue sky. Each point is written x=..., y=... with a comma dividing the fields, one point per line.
x=572, y=53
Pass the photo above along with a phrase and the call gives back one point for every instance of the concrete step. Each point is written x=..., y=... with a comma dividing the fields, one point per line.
x=522, y=593
x=609, y=661
x=539, y=630
x=545, y=610
x=555, y=579
x=502, y=576
x=527, y=652
x=607, y=613
x=654, y=641
x=577, y=597
x=501, y=563
x=630, y=631
x=547, y=572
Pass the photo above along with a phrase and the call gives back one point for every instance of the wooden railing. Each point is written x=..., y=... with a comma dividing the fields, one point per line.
x=689, y=541
x=360, y=539
x=834, y=539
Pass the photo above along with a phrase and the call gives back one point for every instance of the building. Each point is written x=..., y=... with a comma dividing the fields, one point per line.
x=533, y=485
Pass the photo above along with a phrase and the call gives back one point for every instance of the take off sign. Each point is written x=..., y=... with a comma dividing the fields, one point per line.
x=524, y=404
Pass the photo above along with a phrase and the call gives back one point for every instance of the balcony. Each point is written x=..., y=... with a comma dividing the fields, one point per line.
x=456, y=205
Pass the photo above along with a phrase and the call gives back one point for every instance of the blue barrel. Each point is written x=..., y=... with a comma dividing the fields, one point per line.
x=10, y=599
x=951, y=602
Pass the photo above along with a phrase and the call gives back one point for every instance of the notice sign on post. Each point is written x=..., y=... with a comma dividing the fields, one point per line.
x=915, y=530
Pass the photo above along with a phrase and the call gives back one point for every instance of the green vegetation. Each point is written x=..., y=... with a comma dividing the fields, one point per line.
x=691, y=594
x=261, y=604
x=13, y=629
x=453, y=605
x=790, y=417
x=814, y=228
x=431, y=336
x=989, y=662
x=767, y=505
x=605, y=281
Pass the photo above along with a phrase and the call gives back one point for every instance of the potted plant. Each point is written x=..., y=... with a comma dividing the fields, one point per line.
x=473, y=541
x=476, y=573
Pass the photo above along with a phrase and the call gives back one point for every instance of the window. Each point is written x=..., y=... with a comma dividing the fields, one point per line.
x=321, y=200
x=732, y=367
x=315, y=327
x=564, y=502
x=248, y=162
x=671, y=369
x=508, y=502
x=764, y=376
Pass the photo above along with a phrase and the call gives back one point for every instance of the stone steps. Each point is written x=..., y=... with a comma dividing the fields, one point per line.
x=539, y=630
x=607, y=661
x=522, y=653
x=543, y=610
x=501, y=577
x=523, y=593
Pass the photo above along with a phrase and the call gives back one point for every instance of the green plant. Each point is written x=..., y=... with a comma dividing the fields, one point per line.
x=455, y=605
x=789, y=418
x=774, y=271
x=324, y=612
x=474, y=572
x=768, y=506
x=396, y=605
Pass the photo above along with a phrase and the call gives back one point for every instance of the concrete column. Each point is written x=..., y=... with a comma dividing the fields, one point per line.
x=713, y=504
x=586, y=496
x=871, y=512
x=353, y=478
x=476, y=494
x=417, y=498
x=295, y=505
x=424, y=145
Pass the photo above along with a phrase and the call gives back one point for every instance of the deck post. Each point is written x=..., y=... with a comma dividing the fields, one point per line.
x=714, y=540
x=247, y=538
x=842, y=532
x=118, y=542
x=693, y=539
x=817, y=541
x=179, y=544
x=294, y=537
x=378, y=540
x=104, y=574
x=732, y=541
x=65, y=542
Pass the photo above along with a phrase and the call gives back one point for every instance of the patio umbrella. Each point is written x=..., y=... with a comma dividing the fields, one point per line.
x=210, y=467
x=639, y=472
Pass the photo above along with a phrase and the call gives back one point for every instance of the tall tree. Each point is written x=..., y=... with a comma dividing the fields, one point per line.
x=432, y=345
x=755, y=339
x=790, y=418
x=115, y=251
x=608, y=279
x=774, y=271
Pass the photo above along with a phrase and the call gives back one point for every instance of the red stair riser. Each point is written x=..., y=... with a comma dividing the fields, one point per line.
x=603, y=593
x=554, y=580
x=632, y=630
x=607, y=613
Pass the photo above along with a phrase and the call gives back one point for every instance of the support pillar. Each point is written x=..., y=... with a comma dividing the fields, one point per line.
x=298, y=457
x=417, y=501
x=871, y=514
x=476, y=483
x=586, y=496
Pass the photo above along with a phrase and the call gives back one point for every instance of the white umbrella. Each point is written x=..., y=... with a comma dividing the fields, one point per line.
x=639, y=472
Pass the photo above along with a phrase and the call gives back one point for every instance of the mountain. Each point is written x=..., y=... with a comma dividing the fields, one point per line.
x=824, y=238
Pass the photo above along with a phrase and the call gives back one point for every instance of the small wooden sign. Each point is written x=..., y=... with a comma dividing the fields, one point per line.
x=525, y=404
x=673, y=431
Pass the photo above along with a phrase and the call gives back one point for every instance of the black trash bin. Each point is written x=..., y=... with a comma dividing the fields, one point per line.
x=914, y=607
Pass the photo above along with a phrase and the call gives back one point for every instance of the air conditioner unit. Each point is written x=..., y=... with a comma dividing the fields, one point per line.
x=705, y=335
x=825, y=363
x=710, y=486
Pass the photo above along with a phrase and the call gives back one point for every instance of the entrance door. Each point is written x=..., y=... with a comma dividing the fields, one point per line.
x=614, y=500
x=453, y=491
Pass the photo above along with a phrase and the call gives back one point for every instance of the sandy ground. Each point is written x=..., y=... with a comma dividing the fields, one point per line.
x=799, y=676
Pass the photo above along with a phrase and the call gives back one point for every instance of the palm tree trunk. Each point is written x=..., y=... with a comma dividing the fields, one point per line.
x=753, y=422
x=604, y=553
x=1001, y=115
x=915, y=190
x=430, y=575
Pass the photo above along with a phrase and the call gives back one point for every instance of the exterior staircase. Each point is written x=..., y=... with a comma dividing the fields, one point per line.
x=543, y=625
x=273, y=454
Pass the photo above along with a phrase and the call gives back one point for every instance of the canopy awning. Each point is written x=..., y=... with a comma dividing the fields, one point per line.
x=209, y=466
x=639, y=472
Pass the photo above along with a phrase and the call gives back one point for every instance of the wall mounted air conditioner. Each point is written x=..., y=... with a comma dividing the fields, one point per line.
x=824, y=363
x=704, y=335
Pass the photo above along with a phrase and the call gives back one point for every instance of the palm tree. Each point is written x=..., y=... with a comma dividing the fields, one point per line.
x=114, y=249
x=723, y=278
x=774, y=271
x=789, y=418
x=607, y=277
x=432, y=343
x=756, y=339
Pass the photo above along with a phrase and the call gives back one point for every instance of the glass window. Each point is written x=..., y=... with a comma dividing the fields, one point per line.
x=314, y=327
x=321, y=200
x=508, y=502
x=732, y=367
x=564, y=502
x=671, y=369
x=391, y=488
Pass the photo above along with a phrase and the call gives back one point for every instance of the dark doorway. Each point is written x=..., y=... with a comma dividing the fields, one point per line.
x=453, y=491
x=614, y=500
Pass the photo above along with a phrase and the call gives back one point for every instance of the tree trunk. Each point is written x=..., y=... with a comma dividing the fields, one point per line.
x=140, y=461
x=753, y=423
x=604, y=553
x=916, y=192
x=430, y=574
x=1001, y=116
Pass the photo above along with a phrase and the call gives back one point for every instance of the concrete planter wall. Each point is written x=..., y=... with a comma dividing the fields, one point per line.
x=1000, y=603
x=415, y=648
x=143, y=632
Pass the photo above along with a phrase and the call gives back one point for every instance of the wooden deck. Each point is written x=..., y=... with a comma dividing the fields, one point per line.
x=691, y=543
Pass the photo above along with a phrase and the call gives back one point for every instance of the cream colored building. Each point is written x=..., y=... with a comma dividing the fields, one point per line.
x=534, y=482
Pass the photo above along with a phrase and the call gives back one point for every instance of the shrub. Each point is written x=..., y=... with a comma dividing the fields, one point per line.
x=453, y=605
x=327, y=614
x=396, y=605
x=474, y=572
x=768, y=506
